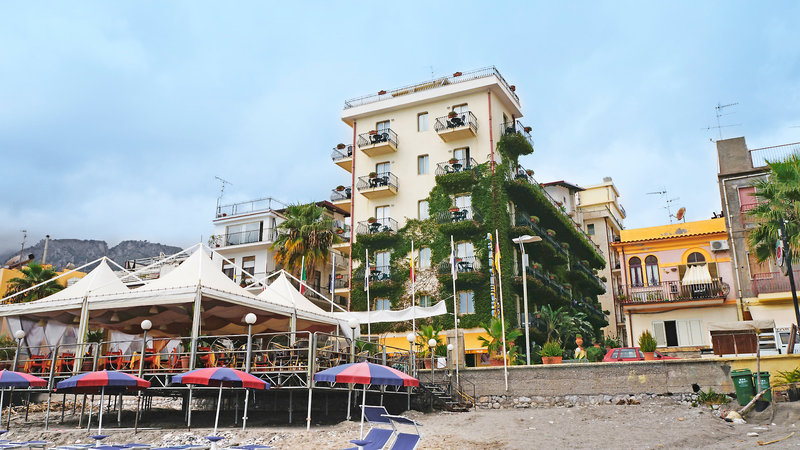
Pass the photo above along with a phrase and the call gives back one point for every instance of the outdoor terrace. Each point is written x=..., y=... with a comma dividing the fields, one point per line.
x=265, y=235
x=342, y=156
x=377, y=142
x=455, y=215
x=383, y=225
x=674, y=291
x=456, y=126
x=249, y=207
x=773, y=282
x=464, y=264
x=455, y=166
x=525, y=220
x=760, y=156
x=378, y=186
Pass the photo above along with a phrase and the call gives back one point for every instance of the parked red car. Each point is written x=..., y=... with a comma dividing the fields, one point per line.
x=630, y=354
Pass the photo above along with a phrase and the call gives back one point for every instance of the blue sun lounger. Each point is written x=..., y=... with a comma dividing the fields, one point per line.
x=377, y=437
x=404, y=441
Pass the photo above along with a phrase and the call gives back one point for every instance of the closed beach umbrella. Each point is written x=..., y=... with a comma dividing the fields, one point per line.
x=220, y=376
x=92, y=382
x=366, y=373
x=9, y=378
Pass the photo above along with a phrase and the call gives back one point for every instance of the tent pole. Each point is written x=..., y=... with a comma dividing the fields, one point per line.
x=189, y=409
x=50, y=386
x=195, y=328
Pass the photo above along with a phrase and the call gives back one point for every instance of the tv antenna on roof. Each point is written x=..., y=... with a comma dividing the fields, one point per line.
x=221, y=189
x=667, y=202
x=719, y=113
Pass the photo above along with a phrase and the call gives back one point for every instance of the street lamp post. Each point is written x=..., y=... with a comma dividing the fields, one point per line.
x=146, y=325
x=250, y=319
x=526, y=239
x=20, y=335
x=353, y=323
x=410, y=338
x=431, y=346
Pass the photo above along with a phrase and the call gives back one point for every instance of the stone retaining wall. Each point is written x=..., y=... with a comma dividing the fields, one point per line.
x=592, y=379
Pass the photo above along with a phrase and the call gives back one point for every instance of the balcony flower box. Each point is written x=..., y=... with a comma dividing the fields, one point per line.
x=452, y=161
x=454, y=209
x=373, y=132
x=550, y=233
x=373, y=175
x=372, y=220
x=535, y=219
x=381, y=92
x=452, y=115
x=457, y=74
x=528, y=129
x=340, y=188
x=341, y=146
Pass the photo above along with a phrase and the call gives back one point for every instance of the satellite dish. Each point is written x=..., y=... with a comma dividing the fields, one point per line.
x=681, y=213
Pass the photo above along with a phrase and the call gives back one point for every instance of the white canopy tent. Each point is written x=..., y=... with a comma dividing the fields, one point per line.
x=412, y=312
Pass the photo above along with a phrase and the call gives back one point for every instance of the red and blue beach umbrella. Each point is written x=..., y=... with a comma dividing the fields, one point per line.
x=91, y=382
x=9, y=378
x=366, y=373
x=220, y=376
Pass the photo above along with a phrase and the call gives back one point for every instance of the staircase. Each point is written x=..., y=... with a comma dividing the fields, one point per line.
x=447, y=396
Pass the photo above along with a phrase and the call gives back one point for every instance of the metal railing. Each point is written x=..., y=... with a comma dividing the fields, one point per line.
x=384, y=225
x=456, y=121
x=460, y=165
x=338, y=154
x=516, y=127
x=262, y=204
x=245, y=237
x=464, y=264
x=385, y=179
x=760, y=156
x=524, y=220
x=772, y=282
x=344, y=194
x=341, y=282
x=342, y=230
x=376, y=137
x=675, y=291
x=592, y=276
x=457, y=77
x=455, y=215
x=379, y=273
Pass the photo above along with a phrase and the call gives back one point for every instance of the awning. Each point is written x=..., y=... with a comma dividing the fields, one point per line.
x=755, y=325
x=412, y=312
x=697, y=275
x=472, y=344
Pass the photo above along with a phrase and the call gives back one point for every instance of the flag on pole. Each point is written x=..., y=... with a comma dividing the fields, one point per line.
x=303, y=275
x=497, y=257
x=333, y=272
x=492, y=284
x=453, y=271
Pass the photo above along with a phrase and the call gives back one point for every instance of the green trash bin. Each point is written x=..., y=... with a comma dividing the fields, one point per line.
x=743, y=382
x=767, y=397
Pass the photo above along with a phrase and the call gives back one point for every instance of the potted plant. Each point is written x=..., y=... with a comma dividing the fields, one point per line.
x=372, y=220
x=425, y=334
x=452, y=161
x=550, y=232
x=528, y=129
x=373, y=175
x=494, y=343
x=595, y=354
x=513, y=88
x=611, y=343
x=535, y=219
x=8, y=351
x=529, y=172
x=381, y=92
x=536, y=266
x=787, y=377
x=187, y=349
x=551, y=353
x=340, y=146
x=454, y=209
x=579, y=340
x=647, y=344
x=373, y=132
x=339, y=230
x=565, y=246
x=457, y=74
x=452, y=115
x=340, y=188
x=568, y=286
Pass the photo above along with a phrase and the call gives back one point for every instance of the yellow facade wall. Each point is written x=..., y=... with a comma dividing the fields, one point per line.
x=7, y=274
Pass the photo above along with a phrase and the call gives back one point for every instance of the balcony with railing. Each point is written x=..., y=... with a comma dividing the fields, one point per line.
x=535, y=271
x=516, y=127
x=342, y=230
x=773, y=282
x=455, y=166
x=674, y=291
x=341, y=284
x=342, y=156
x=383, y=225
x=377, y=142
x=341, y=197
x=456, y=215
x=266, y=235
x=378, y=186
x=464, y=264
x=525, y=220
x=249, y=207
x=379, y=273
x=588, y=272
x=456, y=126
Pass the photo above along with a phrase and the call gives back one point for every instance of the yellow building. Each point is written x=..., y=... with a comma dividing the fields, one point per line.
x=7, y=274
x=675, y=280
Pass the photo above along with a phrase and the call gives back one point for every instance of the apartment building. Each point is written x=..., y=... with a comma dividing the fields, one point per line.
x=762, y=288
x=243, y=236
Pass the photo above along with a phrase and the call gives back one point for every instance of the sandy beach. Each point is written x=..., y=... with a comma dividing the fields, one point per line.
x=654, y=423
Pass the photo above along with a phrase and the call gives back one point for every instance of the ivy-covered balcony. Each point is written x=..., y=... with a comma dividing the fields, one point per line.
x=377, y=142
x=587, y=276
x=377, y=185
x=524, y=219
x=342, y=156
x=456, y=215
x=464, y=264
x=516, y=127
x=539, y=280
x=456, y=125
x=375, y=226
x=455, y=165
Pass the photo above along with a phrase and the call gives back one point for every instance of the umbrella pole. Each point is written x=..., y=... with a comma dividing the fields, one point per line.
x=363, y=406
x=100, y=413
x=244, y=416
x=138, y=406
x=219, y=400
x=91, y=408
x=308, y=418
x=189, y=409
x=349, y=391
x=2, y=392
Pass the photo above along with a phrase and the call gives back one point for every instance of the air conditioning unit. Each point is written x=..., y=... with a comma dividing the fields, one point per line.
x=718, y=246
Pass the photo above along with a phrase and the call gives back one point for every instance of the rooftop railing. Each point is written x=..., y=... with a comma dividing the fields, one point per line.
x=375, y=137
x=262, y=204
x=385, y=179
x=454, y=121
x=342, y=153
x=455, y=166
x=245, y=237
x=760, y=156
x=675, y=291
x=457, y=77
x=384, y=225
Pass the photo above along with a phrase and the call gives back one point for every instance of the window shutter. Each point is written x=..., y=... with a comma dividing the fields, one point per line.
x=696, y=331
x=660, y=333
x=684, y=338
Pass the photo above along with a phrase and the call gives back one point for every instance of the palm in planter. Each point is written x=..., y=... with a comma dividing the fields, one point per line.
x=647, y=344
x=425, y=334
x=494, y=343
x=551, y=353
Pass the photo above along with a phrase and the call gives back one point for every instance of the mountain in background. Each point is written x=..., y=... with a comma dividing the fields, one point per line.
x=61, y=252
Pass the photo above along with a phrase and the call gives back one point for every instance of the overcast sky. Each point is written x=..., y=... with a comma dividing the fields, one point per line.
x=116, y=116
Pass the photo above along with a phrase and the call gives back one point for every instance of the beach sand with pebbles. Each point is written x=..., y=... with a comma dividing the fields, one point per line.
x=654, y=423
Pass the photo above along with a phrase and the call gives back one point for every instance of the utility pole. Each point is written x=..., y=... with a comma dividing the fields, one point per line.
x=787, y=259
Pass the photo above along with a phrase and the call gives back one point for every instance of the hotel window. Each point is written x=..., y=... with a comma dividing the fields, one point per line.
x=422, y=121
x=590, y=229
x=462, y=155
x=422, y=165
x=228, y=268
x=243, y=234
x=249, y=264
x=651, y=269
x=635, y=265
x=425, y=301
x=695, y=258
x=382, y=126
x=423, y=210
x=466, y=302
x=383, y=168
x=461, y=109
x=382, y=304
x=464, y=202
x=382, y=264
x=425, y=258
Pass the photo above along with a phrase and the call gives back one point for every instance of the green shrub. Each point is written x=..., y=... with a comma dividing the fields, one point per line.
x=711, y=398
x=612, y=343
x=784, y=376
x=647, y=342
x=551, y=348
x=595, y=354
x=7, y=344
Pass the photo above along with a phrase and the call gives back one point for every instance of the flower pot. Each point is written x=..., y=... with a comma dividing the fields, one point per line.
x=649, y=356
x=513, y=88
x=341, y=146
x=794, y=394
x=457, y=74
x=427, y=363
x=184, y=362
x=381, y=92
x=340, y=188
x=496, y=361
x=373, y=132
x=453, y=210
x=453, y=161
x=528, y=129
x=579, y=341
x=452, y=115
x=551, y=359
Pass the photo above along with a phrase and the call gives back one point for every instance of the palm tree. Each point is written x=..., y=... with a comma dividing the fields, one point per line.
x=555, y=322
x=34, y=274
x=779, y=196
x=494, y=343
x=306, y=232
